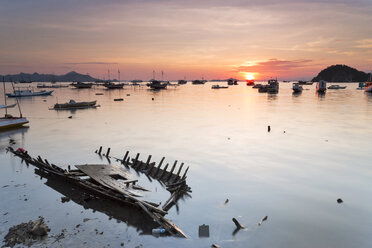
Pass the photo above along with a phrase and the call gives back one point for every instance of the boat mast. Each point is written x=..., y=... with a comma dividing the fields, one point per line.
x=108, y=74
x=19, y=107
x=153, y=74
x=119, y=75
x=6, y=109
x=162, y=76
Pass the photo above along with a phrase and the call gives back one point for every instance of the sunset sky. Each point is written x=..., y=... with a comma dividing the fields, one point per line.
x=288, y=39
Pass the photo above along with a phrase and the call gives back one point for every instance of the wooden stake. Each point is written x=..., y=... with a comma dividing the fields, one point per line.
x=147, y=162
x=100, y=150
x=184, y=175
x=164, y=171
x=179, y=170
x=125, y=157
x=108, y=152
x=171, y=171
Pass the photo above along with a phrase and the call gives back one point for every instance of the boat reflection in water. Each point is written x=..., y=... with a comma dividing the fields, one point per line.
x=121, y=212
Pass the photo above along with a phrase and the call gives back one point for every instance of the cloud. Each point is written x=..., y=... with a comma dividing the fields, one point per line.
x=273, y=65
x=364, y=43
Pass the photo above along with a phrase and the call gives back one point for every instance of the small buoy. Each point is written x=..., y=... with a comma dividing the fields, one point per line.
x=227, y=201
x=339, y=200
x=128, y=94
x=153, y=99
x=70, y=117
x=283, y=131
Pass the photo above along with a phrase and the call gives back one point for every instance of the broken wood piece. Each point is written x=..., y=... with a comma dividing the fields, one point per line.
x=125, y=157
x=184, y=175
x=108, y=152
x=179, y=170
x=262, y=220
x=171, y=171
x=164, y=171
x=237, y=224
x=147, y=162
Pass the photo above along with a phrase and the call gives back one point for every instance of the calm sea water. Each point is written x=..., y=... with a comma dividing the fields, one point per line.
x=318, y=150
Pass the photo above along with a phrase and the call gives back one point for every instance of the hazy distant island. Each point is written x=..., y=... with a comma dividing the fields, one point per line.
x=341, y=73
x=36, y=77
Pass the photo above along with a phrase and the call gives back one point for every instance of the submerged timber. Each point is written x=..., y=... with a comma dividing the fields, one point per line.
x=114, y=182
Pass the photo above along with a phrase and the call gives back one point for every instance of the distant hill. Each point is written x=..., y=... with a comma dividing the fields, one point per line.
x=36, y=77
x=341, y=73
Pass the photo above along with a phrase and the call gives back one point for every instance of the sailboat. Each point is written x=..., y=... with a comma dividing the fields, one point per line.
x=9, y=121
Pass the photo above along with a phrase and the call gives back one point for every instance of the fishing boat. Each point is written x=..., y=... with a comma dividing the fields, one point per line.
x=28, y=92
x=297, y=88
x=74, y=105
x=250, y=82
x=81, y=85
x=336, y=87
x=216, y=86
x=157, y=85
x=321, y=86
x=273, y=86
x=368, y=85
x=111, y=85
x=55, y=86
x=305, y=83
x=361, y=86
x=257, y=86
x=232, y=81
x=8, y=121
x=197, y=81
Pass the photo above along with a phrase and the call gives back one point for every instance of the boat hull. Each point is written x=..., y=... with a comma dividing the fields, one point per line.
x=75, y=105
x=6, y=123
x=41, y=93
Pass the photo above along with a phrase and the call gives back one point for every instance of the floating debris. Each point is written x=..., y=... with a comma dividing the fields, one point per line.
x=215, y=246
x=262, y=220
x=238, y=224
x=268, y=129
x=118, y=99
x=339, y=201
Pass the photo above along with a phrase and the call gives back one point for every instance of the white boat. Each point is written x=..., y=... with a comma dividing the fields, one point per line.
x=8, y=121
x=297, y=88
x=321, y=86
x=336, y=87
x=23, y=93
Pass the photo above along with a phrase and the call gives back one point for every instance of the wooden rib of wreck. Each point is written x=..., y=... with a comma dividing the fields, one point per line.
x=98, y=179
x=150, y=168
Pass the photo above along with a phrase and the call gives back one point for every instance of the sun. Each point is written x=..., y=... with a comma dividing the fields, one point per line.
x=249, y=76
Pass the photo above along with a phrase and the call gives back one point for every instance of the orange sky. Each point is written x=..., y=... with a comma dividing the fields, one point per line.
x=216, y=39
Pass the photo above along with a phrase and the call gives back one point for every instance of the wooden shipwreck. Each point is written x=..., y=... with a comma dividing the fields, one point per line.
x=115, y=182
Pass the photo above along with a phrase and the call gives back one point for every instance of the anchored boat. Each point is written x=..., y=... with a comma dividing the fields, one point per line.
x=28, y=92
x=8, y=121
x=297, y=88
x=74, y=105
x=321, y=86
x=336, y=87
x=80, y=85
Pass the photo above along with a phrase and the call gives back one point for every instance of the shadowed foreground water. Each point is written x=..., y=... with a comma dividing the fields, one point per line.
x=318, y=150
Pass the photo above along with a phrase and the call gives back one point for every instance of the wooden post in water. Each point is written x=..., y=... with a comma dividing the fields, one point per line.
x=108, y=152
x=100, y=150
x=184, y=175
x=179, y=170
x=147, y=162
x=158, y=168
x=171, y=171
x=125, y=157
x=164, y=171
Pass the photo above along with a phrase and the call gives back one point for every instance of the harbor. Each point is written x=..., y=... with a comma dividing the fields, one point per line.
x=227, y=173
